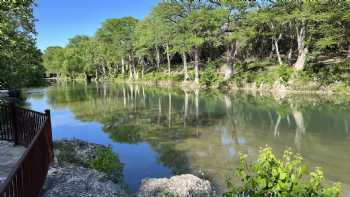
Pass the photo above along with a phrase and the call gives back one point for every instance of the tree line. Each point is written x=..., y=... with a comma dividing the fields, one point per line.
x=188, y=35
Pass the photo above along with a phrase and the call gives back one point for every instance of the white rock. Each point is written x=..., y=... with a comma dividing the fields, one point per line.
x=181, y=186
x=80, y=182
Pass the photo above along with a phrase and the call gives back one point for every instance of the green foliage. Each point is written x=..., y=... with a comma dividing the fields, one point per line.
x=266, y=77
x=162, y=76
x=270, y=176
x=285, y=73
x=210, y=76
x=53, y=59
x=264, y=73
x=20, y=60
x=327, y=74
x=106, y=161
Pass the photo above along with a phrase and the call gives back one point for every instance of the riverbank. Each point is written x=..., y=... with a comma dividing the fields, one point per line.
x=74, y=174
x=317, y=78
x=276, y=87
x=292, y=87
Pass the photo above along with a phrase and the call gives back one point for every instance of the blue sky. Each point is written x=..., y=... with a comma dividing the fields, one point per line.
x=59, y=20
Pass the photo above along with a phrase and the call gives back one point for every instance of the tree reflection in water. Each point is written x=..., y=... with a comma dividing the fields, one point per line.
x=202, y=132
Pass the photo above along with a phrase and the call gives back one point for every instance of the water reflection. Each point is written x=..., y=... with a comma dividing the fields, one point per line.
x=203, y=132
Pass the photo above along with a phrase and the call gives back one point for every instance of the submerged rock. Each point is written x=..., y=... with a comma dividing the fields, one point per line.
x=80, y=182
x=181, y=186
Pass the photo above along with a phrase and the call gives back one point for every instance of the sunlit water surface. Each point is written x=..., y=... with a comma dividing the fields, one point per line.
x=159, y=132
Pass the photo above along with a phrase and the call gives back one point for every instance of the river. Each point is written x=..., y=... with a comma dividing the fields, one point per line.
x=159, y=132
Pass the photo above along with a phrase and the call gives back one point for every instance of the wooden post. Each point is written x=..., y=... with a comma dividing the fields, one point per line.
x=49, y=134
x=14, y=122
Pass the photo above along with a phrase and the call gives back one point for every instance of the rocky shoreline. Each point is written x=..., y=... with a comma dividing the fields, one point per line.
x=72, y=176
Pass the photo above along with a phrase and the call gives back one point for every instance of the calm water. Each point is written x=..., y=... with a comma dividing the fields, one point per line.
x=159, y=132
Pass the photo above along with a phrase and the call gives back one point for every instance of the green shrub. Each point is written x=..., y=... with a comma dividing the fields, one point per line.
x=106, y=161
x=268, y=77
x=269, y=176
x=329, y=73
x=285, y=73
x=210, y=76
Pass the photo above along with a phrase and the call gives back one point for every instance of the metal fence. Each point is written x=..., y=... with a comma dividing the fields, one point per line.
x=33, y=130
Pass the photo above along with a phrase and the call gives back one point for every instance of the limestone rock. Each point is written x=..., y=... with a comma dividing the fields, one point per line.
x=181, y=186
x=80, y=182
x=70, y=177
x=74, y=152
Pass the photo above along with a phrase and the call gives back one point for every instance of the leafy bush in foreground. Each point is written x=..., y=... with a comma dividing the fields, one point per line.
x=269, y=176
x=106, y=161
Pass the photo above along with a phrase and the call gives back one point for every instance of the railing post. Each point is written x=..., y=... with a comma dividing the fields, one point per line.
x=14, y=122
x=49, y=134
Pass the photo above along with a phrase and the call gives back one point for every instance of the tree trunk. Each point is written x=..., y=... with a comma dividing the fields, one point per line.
x=158, y=57
x=348, y=51
x=277, y=49
x=302, y=49
x=237, y=45
x=196, y=65
x=104, y=71
x=132, y=69
x=291, y=44
x=230, y=56
x=142, y=68
x=184, y=59
x=136, y=74
x=96, y=74
x=300, y=63
x=116, y=69
x=229, y=69
x=289, y=56
x=123, y=66
x=168, y=59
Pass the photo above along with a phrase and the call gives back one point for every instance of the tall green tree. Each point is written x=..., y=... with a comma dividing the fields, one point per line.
x=201, y=26
x=20, y=60
x=53, y=59
x=120, y=33
x=236, y=29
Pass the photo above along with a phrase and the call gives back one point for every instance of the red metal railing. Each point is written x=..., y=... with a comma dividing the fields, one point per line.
x=32, y=130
